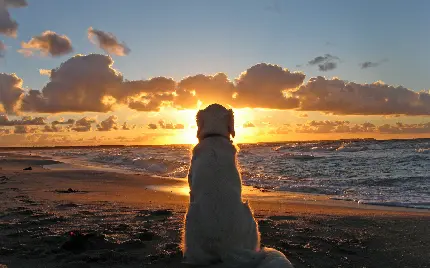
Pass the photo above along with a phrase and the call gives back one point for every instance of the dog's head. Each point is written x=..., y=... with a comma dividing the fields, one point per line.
x=215, y=120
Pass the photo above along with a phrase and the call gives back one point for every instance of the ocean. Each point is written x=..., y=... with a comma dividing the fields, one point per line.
x=389, y=173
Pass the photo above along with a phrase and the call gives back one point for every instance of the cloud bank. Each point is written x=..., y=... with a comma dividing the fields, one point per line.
x=89, y=83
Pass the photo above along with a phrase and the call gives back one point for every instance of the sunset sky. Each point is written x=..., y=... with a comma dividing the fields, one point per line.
x=136, y=72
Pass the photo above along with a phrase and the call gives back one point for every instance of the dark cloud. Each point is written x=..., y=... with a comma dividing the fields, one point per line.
x=248, y=124
x=369, y=64
x=25, y=120
x=341, y=97
x=157, y=85
x=84, y=124
x=152, y=126
x=48, y=43
x=8, y=26
x=111, y=123
x=401, y=128
x=205, y=88
x=327, y=66
x=62, y=122
x=125, y=126
x=263, y=86
x=328, y=126
x=11, y=93
x=325, y=63
x=53, y=128
x=151, y=102
x=20, y=129
x=108, y=42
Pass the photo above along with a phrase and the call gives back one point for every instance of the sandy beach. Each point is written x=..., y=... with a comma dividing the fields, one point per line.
x=64, y=217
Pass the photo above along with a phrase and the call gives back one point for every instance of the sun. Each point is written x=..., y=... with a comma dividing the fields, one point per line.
x=188, y=135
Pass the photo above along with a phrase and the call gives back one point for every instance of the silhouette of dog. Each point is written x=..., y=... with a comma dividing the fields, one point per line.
x=220, y=229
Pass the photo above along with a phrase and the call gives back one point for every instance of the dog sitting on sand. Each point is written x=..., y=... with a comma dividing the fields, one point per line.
x=220, y=229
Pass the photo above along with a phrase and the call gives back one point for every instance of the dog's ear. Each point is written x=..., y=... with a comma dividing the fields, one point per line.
x=199, y=120
x=231, y=123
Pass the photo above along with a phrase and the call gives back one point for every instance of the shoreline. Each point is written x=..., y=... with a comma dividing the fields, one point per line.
x=250, y=192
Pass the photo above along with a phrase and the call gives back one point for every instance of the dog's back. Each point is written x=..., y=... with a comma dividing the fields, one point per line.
x=217, y=220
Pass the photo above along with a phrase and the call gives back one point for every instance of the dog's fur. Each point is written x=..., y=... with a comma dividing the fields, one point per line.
x=220, y=229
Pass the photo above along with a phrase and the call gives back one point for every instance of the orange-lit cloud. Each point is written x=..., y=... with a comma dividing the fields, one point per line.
x=48, y=43
x=205, y=88
x=108, y=42
x=11, y=93
x=263, y=86
x=248, y=124
x=165, y=125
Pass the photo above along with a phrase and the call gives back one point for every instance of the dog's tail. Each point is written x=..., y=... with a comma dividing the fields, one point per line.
x=265, y=258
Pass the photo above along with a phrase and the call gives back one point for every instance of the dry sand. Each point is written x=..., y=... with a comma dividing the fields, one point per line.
x=94, y=218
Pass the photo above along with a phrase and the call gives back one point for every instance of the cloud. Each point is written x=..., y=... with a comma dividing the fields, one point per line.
x=325, y=63
x=45, y=72
x=11, y=93
x=328, y=126
x=205, y=88
x=340, y=97
x=25, y=120
x=90, y=84
x=327, y=66
x=111, y=123
x=401, y=128
x=107, y=42
x=248, y=124
x=263, y=86
x=53, y=128
x=20, y=129
x=8, y=26
x=152, y=126
x=165, y=125
x=125, y=126
x=369, y=64
x=78, y=85
x=48, y=43
x=16, y=3
x=84, y=124
x=62, y=122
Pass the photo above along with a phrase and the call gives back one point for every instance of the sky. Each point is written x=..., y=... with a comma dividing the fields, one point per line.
x=291, y=70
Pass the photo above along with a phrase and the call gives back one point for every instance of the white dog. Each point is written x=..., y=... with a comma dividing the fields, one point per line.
x=220, y=230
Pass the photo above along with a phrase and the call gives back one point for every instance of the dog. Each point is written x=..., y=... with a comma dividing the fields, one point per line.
x=220, y=229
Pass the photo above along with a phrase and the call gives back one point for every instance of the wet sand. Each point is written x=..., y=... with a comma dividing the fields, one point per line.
x=94, y=218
